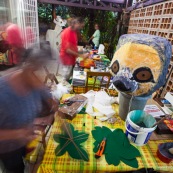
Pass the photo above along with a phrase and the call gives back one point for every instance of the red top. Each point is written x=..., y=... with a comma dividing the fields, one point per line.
x=68, y=40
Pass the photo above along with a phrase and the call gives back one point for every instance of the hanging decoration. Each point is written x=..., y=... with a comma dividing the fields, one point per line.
x=117, y=146
x=70, y=141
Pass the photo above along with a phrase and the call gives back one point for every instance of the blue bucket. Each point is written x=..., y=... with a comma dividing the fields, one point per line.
x=139, y=127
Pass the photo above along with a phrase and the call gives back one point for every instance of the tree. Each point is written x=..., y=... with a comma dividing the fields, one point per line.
x=106, y=19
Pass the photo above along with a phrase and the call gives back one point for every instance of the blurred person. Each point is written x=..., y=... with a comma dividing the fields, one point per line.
x=11, y=45
x=69, y=20
x=68, y=48
x=94, y=40
x=21, y=98
x=15, y=41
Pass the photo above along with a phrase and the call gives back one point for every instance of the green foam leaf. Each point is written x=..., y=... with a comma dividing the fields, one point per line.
x=132, y=162
x=117, y=148
x=70, y=141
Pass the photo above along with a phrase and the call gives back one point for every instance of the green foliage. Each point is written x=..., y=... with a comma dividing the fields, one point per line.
x=45, y=12
x=106, y=19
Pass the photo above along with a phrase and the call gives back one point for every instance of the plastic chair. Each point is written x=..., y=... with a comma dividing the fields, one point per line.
x=97, y=80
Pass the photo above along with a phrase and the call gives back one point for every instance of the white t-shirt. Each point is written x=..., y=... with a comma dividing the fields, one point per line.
x=96, y=38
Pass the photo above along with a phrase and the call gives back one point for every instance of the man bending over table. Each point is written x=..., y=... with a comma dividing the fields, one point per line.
x=68, y=48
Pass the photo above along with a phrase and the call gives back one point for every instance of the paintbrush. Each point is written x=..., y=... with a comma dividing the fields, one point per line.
x=161, y=120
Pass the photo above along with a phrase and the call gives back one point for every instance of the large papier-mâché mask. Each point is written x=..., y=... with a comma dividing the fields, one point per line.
x=140, y=63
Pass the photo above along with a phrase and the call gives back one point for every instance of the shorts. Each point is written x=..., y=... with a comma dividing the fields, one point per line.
x=65, y=71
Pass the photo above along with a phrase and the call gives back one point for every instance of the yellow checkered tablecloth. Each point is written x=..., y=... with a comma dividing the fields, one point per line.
x=62, y=164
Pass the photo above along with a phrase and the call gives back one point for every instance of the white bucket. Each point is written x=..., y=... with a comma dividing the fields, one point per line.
x=135, y=133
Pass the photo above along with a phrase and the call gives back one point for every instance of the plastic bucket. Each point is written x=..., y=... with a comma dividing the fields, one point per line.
x=139, y=127
x=128, y=103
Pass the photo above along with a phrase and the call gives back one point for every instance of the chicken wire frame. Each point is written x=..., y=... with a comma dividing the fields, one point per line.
x=27, y=17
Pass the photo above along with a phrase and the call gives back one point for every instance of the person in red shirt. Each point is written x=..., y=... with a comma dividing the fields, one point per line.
x=68, y=48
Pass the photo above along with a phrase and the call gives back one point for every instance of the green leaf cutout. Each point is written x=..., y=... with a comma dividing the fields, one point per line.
x=70, y=141
x=100, y=132
x=132, y=162
x=117, y=148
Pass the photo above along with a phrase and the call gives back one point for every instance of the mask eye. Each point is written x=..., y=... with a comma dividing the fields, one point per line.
x=143, y=74
x=115, y=67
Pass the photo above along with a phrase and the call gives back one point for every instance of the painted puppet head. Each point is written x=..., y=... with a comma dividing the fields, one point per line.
x=140, y=63
x=60, y=22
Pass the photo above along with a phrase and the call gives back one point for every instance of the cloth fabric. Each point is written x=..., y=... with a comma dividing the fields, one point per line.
x=13, y=161
x=62, y=164
x=18, y=111
x=103, y=107
x=68, y=40
x=96, y=38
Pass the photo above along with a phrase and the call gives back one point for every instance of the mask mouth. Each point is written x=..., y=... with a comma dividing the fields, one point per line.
x=120, y=86
x=124, y=84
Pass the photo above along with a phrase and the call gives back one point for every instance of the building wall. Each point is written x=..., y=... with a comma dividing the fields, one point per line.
x=155, y=20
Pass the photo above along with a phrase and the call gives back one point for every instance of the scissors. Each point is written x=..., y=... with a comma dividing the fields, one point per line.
x=70, y=102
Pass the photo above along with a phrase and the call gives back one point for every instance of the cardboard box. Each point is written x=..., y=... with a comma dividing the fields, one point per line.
x=69, y=112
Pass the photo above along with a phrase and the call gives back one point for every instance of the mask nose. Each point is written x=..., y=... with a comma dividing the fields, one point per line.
x=120, y=86
x=124, y=84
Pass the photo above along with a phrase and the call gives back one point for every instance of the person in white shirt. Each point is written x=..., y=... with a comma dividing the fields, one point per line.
x=94, y=40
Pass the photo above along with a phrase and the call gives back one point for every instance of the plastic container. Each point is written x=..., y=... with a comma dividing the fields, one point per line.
x=135, y=103
x=139, y=127
x=163, y=153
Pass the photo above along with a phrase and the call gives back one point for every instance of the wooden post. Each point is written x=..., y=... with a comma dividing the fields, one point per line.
x=53, y=12
x=129, y=3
